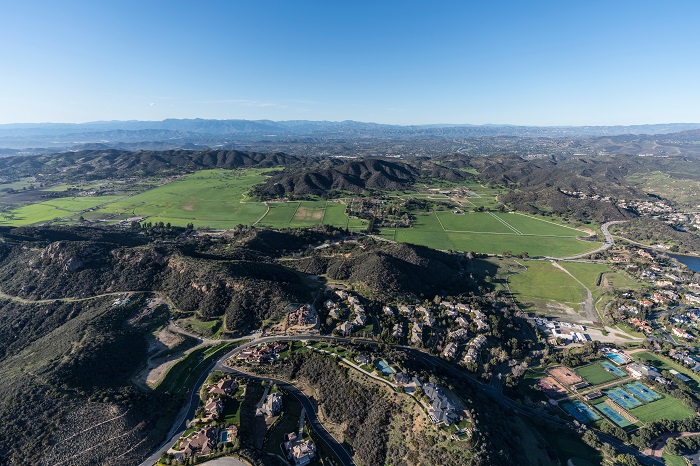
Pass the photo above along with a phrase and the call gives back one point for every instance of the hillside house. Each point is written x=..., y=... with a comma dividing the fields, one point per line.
x=225, y=387
x=345, y=328
x=213, y=408
x=203, y=442
x=300, y=452
x=417, y=333
x=682, y=333
x=450, y=350
x=272, y=405
x=441, y=409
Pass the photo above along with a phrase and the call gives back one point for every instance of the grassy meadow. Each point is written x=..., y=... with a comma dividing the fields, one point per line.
x=218, y=199
x=546, y=287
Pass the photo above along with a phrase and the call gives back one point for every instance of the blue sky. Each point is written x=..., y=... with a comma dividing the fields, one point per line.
x=535, y=63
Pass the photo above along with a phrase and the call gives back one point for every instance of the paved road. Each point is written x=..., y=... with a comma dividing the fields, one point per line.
x=188, y=411
x=609, y=242
x=493, y=392
x=311, y=414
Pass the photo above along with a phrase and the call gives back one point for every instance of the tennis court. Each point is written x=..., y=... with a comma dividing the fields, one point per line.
x=612, y=369
x=624, y=399
x=641, y=391
x=612, y=414
x=580, y=411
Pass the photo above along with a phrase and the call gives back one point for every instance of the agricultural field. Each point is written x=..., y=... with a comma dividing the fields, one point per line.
x=473, y=222
x=218, y=199
x=54, y=209
x=206, y=198
x=491, y=233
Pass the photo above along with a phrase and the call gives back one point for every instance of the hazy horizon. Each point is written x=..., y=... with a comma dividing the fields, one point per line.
x=19, y=123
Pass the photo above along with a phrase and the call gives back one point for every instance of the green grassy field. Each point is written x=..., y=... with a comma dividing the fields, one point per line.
x=335, y=215
x=544, y=284
x=23, y=183
x=281, y=213
x=180, y=378
x=484, y=233
x=528, y=225
x=595, y=374
x=206, y=198
x=51, y=210
x=620, y=280
x=665, y=408
x=673, y=460
x=480, y=222
x=217, y=199
x=209, y=328
x=587, y=273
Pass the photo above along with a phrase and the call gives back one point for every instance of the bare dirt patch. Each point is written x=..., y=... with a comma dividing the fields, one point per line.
x=560, y=308
x=303, y=213
x=157, y=366
x=565, y=375
x=188, y=207
x=551, y=388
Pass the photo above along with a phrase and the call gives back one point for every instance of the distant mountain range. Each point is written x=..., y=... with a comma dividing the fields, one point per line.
x=201, y=133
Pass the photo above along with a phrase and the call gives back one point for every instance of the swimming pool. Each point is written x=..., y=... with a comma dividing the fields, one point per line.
x=616, y=358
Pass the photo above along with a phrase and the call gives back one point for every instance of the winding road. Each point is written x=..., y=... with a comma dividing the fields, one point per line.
x=491, y=389
x=608, y=243
x=193, y=402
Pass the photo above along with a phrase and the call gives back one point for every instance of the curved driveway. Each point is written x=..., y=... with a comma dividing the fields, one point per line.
x=311, y=414
x=193, y=402
x=486, y=389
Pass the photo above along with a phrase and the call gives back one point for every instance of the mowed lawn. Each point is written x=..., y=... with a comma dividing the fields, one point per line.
x=482, y=232
x=595, y=373
x=535, y=246
x=426, y=230
x=280, y=214
x=533, y=226
x=335, y=215
x=481, y=222
x=543, y=283
x=665, y=408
